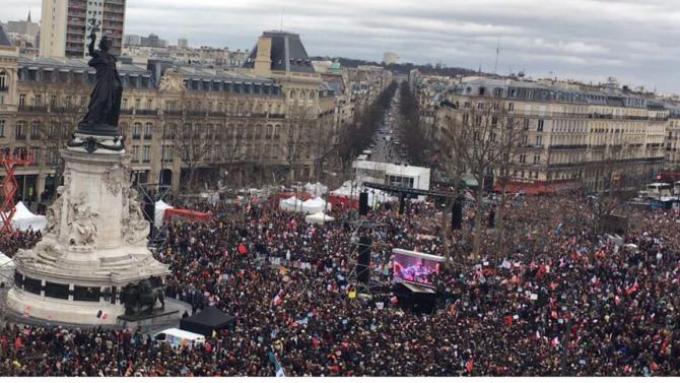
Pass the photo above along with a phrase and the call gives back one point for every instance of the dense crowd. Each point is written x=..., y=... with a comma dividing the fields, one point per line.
x=10, y=244
x=548, y=297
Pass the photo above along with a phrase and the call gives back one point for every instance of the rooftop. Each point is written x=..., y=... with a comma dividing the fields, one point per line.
x=4, y=40
x=287, y=53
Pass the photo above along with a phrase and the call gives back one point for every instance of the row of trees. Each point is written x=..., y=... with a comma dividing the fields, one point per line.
x=366, y=122
x=412, y=133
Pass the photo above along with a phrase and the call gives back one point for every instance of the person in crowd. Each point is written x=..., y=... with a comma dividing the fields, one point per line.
x=550, y=296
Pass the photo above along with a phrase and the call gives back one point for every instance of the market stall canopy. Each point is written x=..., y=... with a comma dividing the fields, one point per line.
x=316, y=189
x=191, y=215
x=290, y=204
x=319, y=218
x=159, y=212
x=24, y=220
x=315, y=205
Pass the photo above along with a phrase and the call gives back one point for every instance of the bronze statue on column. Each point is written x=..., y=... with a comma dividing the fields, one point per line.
x=104, y=107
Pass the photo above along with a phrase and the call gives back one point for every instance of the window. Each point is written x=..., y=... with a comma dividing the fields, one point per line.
x=511, y=106
x=539, y=140
x=148, y=130
x=166, y=153
x=138, y=102
x=2, y=128
x=149, y=104
x=52, y=156
x=169, y=132
x=540, y=126
x=522, y=160
x=21, y=130
x=135, y=153
x=37, y=101
x=525, y=140
x=124, y=104
x=54, y=130
x=137, y=130
x=537, y=159
x=36, y=154
x=35, y=130
x=3, y=81
x=22, y=99
x=146, y=153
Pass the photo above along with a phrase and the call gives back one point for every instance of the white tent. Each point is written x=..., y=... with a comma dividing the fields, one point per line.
x=318, y=189
x=315, y=205
x=290, y=204
x=319, y=218
x=159, y=212
x=6, y=268
x=352, y=190
x=23, y=219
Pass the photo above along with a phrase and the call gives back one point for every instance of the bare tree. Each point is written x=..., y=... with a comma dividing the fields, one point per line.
x=609, y=171
x=190, y=142
x=484, y=138
x=66, y=107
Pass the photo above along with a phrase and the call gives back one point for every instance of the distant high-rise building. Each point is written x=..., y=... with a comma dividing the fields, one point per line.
x=182, y=43
x=132, y=40
x=65, y=25
x=153, y=41
x=390, y=58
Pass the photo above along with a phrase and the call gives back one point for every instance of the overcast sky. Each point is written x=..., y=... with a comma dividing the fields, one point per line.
x=636, y=41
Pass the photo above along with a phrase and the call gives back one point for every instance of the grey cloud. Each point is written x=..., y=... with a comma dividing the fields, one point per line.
x=584, y=39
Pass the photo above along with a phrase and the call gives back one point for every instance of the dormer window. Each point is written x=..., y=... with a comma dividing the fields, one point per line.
x=4, y=81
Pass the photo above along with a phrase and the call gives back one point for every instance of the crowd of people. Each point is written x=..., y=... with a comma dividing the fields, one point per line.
x=547, y=295
x=10, y=244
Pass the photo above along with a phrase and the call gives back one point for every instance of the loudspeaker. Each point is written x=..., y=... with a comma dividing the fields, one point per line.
x=457, y=215
x=363, y=270
x=363, y=203
x=492, y=219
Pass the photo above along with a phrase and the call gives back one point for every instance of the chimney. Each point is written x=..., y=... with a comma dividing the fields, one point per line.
x=263, y=61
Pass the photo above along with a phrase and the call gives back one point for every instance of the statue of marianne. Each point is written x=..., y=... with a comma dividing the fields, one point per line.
x=104, y=108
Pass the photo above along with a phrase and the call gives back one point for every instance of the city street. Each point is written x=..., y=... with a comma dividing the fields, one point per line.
x=383, y=147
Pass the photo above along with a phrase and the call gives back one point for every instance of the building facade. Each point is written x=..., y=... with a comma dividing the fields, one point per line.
x=65, y=26
x=183, y=125
x=568, y=133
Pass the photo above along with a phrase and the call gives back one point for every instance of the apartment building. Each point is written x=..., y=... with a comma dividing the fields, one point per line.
x=65, y=26
x=181, y=123
x=570, y=133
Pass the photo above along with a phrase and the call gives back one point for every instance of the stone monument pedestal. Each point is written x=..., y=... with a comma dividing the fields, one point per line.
x=94, y=245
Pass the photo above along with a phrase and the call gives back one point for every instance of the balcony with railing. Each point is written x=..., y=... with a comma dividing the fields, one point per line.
x=146, y=112
x=33, y=108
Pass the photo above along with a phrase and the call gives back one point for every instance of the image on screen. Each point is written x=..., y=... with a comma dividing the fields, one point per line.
x=413, y=269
